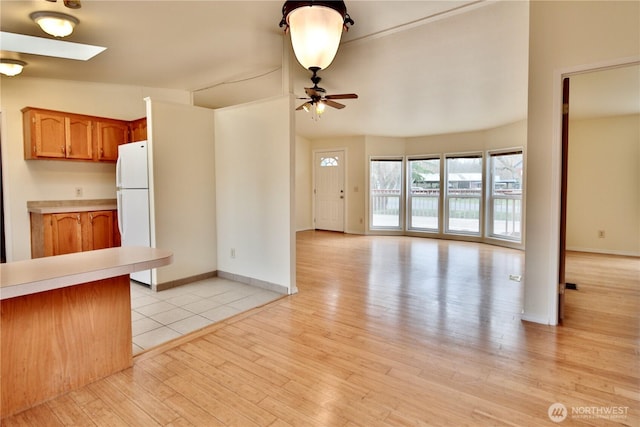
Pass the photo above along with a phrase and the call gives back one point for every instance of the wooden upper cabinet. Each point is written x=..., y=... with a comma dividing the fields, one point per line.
x=56, y=135
x=79, y=138
x=111, y=133
x=52, y=134
x=138, y=130
x=46, y=134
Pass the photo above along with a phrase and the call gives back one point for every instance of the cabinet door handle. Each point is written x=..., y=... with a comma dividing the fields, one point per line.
x=78, y=218
x=62, y=149
x=91, y=218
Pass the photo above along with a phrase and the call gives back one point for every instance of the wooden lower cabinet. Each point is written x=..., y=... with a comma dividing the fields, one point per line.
x=66, y=233
x=98, y=230
x=63, y=233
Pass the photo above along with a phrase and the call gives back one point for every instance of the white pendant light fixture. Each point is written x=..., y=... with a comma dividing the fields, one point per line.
x=11, y=67
x=55, y=23
x=316, y=28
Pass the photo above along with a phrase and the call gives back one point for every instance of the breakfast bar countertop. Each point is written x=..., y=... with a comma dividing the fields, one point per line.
x=43, y=274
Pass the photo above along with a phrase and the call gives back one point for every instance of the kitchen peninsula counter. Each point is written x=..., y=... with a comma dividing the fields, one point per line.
x=66, y=321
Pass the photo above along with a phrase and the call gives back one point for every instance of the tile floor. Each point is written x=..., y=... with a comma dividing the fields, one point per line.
x=158, y=317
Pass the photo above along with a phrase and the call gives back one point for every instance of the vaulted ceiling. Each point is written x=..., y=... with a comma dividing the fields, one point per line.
x=419, y=67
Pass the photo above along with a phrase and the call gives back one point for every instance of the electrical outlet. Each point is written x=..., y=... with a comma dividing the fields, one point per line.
x=601, y=234
x=78, y=191
x=233, y=252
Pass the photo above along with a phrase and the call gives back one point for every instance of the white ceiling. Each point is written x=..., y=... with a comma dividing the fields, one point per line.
x=419, y=67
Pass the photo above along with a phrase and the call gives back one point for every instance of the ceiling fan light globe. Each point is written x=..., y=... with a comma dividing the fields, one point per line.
x=54, y=23
x=320, y=108
x=306, y=107
x=315, y=35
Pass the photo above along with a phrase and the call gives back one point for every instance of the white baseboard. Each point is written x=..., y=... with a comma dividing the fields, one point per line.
x=603, y=251
x=281, y=289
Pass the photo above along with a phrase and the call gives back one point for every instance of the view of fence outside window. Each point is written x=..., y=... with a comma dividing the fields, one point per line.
x=464, y=194
x=463, y=209
x=424, y=194
x=506, y=195
x=385, y=183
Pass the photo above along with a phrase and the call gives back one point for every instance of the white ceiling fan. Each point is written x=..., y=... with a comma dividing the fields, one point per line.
x=21, y=43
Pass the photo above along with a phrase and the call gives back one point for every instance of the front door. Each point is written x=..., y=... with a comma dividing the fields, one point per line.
x=329, y=194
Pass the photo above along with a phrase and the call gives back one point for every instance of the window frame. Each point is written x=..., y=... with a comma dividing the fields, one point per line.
x=409, y=195
x=481, y=206
x=490, y=199
x=401, y=197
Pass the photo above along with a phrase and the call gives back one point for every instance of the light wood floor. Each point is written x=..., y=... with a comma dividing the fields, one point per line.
x=388, y=331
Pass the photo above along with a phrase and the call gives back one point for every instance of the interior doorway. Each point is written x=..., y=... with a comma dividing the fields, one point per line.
x=600, y=192
x=328, y=190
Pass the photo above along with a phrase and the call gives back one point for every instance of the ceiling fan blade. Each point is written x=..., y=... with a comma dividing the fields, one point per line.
x=342, y=96
x=333, y=104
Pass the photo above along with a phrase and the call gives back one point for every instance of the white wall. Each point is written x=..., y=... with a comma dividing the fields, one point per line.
x=304, y=214
x=508, y=136
x=255, y=156
x=604, y=185
x=53, y=179
x=183, y=185
x=564, y=36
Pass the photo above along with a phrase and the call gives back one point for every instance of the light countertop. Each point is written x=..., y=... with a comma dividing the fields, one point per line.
x=42, y=274
x=65, y=206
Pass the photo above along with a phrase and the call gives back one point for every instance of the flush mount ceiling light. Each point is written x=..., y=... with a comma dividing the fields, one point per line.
x=11, y=67
x=316, y=28
x=55, y=23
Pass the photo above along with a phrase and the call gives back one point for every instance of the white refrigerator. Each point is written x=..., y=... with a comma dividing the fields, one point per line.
x=132, y=182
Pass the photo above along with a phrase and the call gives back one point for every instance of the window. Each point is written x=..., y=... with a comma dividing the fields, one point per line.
x=385, y=184
x=424, y=194
x=478, y=195
x=328, y=161
x=463, y=200
x=505, y=195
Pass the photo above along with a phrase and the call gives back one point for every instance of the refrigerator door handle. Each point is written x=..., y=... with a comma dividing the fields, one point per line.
x=118, y=177
x=119, y=203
